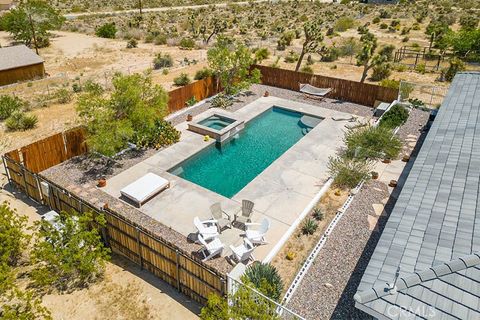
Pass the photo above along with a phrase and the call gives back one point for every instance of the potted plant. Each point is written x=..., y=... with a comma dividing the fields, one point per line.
x=393, y=183
x=387, y=160
x=374, y=175
x=102, y=182
x=189, y=117
x=406, y=158
x=266, y=94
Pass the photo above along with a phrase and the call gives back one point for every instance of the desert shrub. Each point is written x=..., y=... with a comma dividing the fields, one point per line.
x=132, y=109
x=261, y=54
x=421, y=68
x=318, y=214
x=76, y=87
x=182, y=80
x=395, y=117
x=63, y=95
x=221, y=101
x=292, y=57
x=266, y=279
x=187, y=43
x=455, y=65
x=383, y=26
x=132, y=43
x=23, y=305
x=309, y=226
x=203, y=73
x=307, y=69
x=381, y=72
x=162, y=61
x=160, y=39
x=10, y=104
x=348, y=172
x=162, y=134
x=405, y=39
x=343, y=24
x=12, y=235
x=376, y=20
x=330, y=54
x=107, y=30
x=390, y=83
x=191, y=102
x=20, y=121
x=69, y=254
x=399, y=67
x=372, y=143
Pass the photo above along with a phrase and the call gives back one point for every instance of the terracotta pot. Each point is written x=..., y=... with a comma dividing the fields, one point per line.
x=387, y=160
x=189, y=117
x=393, y=183
x=405, y=158
x=374, y=175
x=266, y=94
x=102, y=183
x=105, y=205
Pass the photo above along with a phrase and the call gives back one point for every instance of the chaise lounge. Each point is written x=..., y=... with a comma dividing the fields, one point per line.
x=145, y=188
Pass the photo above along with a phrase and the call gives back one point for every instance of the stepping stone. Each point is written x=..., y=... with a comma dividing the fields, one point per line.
x=372, y=223
x=378, y=208
x=328, y=285
x=384, y=201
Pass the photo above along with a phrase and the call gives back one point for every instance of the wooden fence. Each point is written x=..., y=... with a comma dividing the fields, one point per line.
x=199, y=89
x=347, y=90
x=165, y=260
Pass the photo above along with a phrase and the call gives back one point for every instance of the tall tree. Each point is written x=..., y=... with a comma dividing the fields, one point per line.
x=213, y=27
x=313, y=38
x=31, y=22
x=367, y=58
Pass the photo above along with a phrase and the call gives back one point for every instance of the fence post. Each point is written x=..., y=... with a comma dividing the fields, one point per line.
x=25, y=183
x=139, y=248
x=6, y=171
x=178, y=269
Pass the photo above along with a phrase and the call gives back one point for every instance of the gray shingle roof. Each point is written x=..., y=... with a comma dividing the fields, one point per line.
x=17, y=56
x=433, y=233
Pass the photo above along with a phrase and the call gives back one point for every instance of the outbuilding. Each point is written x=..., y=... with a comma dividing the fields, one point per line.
x=19, y=63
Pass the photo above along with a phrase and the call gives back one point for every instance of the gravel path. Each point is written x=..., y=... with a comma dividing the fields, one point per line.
x=410, y=132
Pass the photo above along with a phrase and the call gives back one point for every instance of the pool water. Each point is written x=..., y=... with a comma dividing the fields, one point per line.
x=216, y=122
x=228, y=168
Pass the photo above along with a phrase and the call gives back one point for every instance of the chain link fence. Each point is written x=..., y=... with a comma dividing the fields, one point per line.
x=422, y=95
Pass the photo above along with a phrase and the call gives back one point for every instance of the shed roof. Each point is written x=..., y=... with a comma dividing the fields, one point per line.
x=18, y=56
x=433, y=233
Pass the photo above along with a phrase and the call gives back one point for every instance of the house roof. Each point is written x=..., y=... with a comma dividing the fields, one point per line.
x=433, y=233
x=17, y=56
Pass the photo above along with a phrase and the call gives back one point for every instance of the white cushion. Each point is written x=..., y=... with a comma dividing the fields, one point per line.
x=144, y=188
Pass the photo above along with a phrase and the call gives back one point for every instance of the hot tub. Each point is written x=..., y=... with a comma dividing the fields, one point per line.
x=217, y=126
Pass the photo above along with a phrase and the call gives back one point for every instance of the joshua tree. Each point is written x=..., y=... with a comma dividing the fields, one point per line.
x=216, y=25
x=367, y=57
x=313, y=38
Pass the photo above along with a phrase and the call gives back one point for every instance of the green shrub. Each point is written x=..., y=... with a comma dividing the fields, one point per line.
x=395, y=117
x=12, y=235
x=266, y=279
x=182, y=80
x=187, y=43
x=292, y=57
x=132, y=43
x=376, y=20
x=162, y=134
x=261, y=54
x=203, y=74
x=63, y=95
x=390, y=83
x=19, y=121
x=160, y=39
x=309, y=227
x=372, y=143
x=383, y=26
x=343, y=24
x=221, y=101
x=330, y=54
x=381, y=72
x=9, y=105
x=348, y=172
x=318, y=214
x=162, y=61
x=307, y=69
x=107, y=30
x=421, y=68
x=455, y=65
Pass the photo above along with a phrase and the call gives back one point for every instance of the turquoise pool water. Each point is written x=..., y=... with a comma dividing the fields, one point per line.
x=216, y=122
x=228, y=168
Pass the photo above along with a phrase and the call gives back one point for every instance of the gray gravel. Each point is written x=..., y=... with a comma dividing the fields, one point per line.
x=410, y=132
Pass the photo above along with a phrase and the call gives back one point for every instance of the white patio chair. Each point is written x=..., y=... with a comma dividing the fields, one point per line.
x=256, y=231
x=207, y=229
x=212, y=248
x=243, y=252
x=217, y=214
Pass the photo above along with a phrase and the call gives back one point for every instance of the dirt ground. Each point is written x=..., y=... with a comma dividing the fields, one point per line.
x=126, y=292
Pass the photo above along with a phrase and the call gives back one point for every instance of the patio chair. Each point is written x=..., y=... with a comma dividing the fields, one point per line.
x=210, y=249
x=314, y=92
x=256, y=231
x=217, y=214
x=243, y=252
x=207, y=229
x=246, y=213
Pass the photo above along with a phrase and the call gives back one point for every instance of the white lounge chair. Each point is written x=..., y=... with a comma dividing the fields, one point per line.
x=213, y=248
x=145, y=188
x=207, y=229
x=256, y=231
x=217, y=214
x=243, y=252
x=312, y=91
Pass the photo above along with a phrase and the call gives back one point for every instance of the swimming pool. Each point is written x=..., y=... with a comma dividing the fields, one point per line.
x=228, y=168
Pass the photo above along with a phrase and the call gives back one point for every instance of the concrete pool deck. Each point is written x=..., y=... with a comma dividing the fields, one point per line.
x=280, y=192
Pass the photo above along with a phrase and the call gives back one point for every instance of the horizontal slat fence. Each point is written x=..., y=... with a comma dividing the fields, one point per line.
x=168, y=262
x=347, y=90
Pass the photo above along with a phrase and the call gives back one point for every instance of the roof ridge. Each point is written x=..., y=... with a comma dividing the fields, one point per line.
x=418, y=277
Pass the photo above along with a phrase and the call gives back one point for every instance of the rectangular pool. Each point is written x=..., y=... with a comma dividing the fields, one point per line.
x=228, y=168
